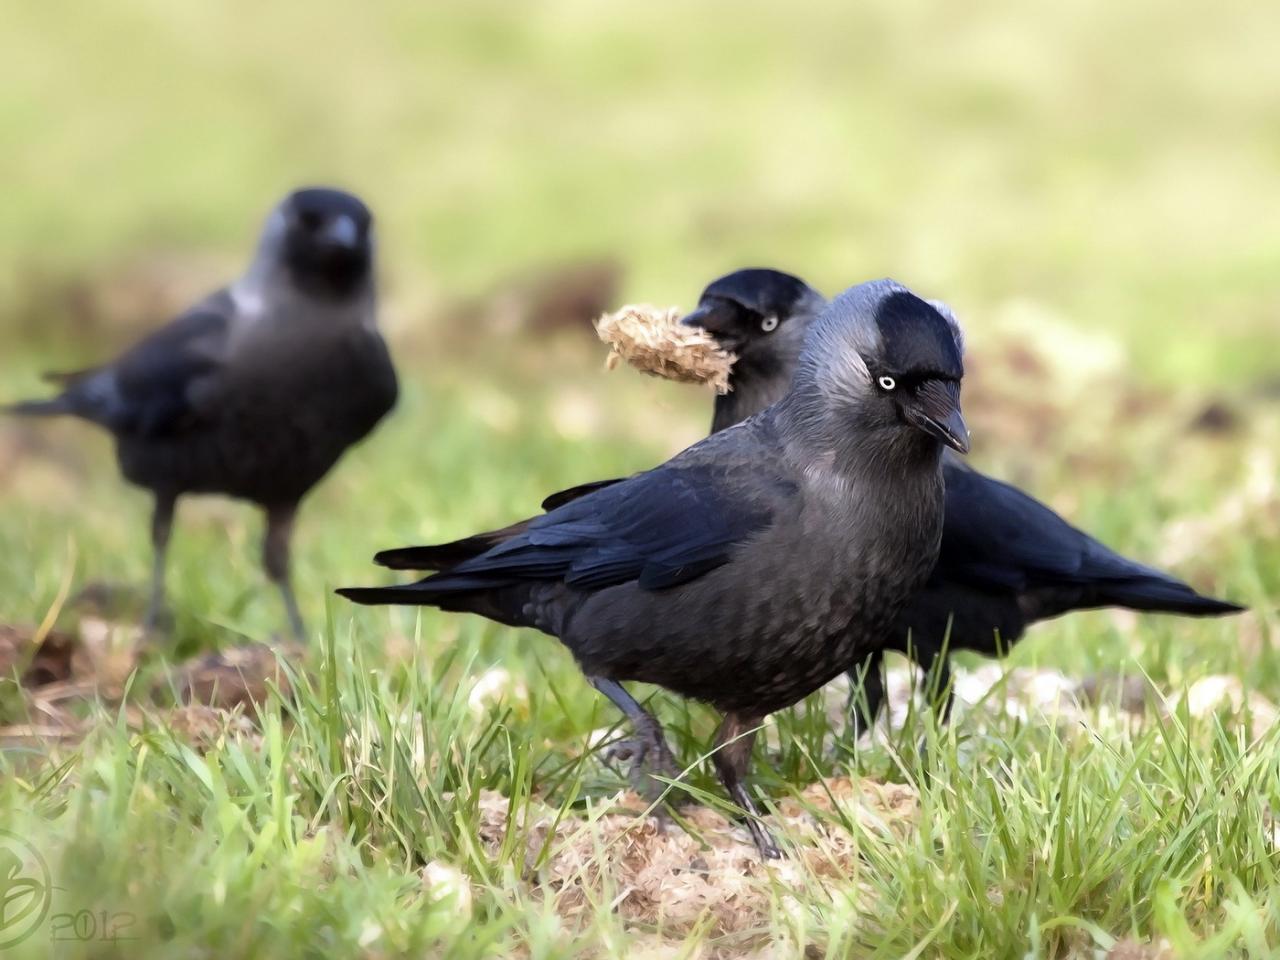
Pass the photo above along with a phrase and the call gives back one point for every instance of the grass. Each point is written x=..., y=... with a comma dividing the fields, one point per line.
x=1102, y=172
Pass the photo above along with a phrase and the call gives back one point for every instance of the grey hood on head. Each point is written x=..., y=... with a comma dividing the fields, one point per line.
x=842, y=335
x=272, y=285
x=880, y=358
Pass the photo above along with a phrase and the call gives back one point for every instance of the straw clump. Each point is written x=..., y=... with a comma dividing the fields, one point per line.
x=654, y=341
x=705, y=873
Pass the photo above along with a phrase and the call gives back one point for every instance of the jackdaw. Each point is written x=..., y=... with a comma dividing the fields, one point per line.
x=1007, y=561
x=758, y=564
x=256, y=391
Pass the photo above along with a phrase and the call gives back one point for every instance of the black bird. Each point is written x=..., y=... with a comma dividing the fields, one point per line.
x=1007, y=561
x=758, y=564
x=256, y=391
x=751, y=313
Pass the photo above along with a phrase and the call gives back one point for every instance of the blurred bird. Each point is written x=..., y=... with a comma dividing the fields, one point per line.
x=256, y=391
x=762, y=317
x=1007, y=561
x=761, y=562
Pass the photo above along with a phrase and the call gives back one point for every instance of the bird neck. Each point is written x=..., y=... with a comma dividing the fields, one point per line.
x=760, y=378
x=844, y=439
x=747, y=397
x=264, y=293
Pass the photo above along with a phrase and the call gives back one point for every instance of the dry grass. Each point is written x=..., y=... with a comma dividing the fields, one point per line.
x=700, y=876
x=655, y=342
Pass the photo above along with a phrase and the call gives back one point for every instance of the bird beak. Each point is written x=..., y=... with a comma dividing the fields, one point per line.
x=699, y=318
x=936, y=410
x=712, y=320
x=342, y=232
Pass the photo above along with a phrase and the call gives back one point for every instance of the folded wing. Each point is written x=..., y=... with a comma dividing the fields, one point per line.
x=151, y=389
x=658, y=529
x=998, y=538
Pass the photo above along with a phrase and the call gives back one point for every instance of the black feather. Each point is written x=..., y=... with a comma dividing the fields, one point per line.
x=762, y=291
x=445, y=555
x=52, y=407
x=660, y=529
x=1157, y=592
x=998, y=538
x=562, y=497
x=917, y=338
x=373, y=595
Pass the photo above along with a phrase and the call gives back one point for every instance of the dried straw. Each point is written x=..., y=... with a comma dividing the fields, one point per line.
x=706, y=874
x=653, y=341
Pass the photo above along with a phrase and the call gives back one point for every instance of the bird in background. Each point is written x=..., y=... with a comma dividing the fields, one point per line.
x=256, y=391
x=758, y=564
x=1007, y=561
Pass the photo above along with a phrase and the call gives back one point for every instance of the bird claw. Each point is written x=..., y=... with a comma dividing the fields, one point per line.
x=769, y=848
x=765, y=844
x=648, y=760
x=630, y=750
x=157, y=624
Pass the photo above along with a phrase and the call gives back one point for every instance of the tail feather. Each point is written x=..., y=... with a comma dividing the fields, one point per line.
x=559, y=499
x=66, y=402
x=54, y=406
x=439, y=557
x=444, y=590
x=403, y=594
x=65, y=378
x=445, y=556
x=1161, y=595
x=503, y=603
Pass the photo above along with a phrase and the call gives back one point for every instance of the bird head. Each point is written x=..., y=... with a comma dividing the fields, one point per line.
x=760, y=315
x=892, y=360
x=324, y=239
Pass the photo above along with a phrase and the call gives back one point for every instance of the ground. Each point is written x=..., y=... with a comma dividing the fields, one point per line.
x=1092, y=189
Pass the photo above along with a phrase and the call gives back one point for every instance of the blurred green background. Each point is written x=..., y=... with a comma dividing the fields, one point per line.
x=1046, y=168
x=1091, y=181
x=1092, y=186
x=1118, y=163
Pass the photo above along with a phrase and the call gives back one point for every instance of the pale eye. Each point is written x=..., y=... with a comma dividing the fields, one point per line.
x=887, y=383
x=769, y=324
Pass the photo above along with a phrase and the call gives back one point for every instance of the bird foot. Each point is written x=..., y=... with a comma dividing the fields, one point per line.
x=649, y=758
x=763, y=839
x=157, y=625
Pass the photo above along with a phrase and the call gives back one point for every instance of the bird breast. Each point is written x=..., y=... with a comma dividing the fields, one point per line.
x=799, y=603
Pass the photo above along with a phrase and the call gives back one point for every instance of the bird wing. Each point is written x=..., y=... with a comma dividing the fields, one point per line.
x=560, y=498
x=998, y=538
x=154, y=387
x=445, y=556
x=657, y=529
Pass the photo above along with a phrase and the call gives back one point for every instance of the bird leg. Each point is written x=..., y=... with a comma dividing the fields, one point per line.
x=275, y=559
x=161, y=528
x=646, y=750
x=938, y=689
x=934, y=681
x=731, y=756
x=866, y=696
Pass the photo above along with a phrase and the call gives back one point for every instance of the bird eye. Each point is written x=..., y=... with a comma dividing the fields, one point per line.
x=769, y=324
x=887, y=383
